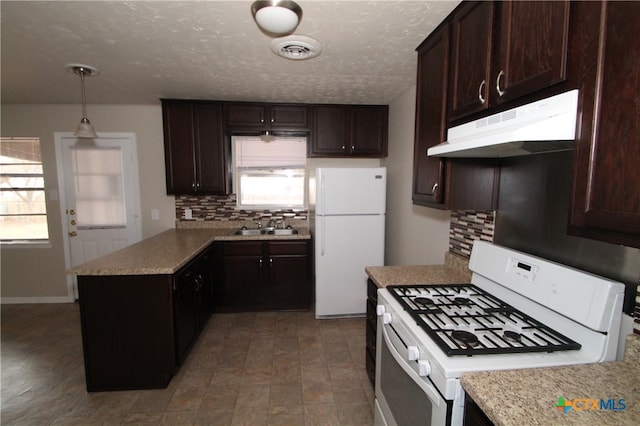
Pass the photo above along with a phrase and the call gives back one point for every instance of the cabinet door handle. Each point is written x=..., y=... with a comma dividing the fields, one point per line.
x=353, y=148
x=480, y=90
x=260, y=263
x=435, y=188
x=500, y=75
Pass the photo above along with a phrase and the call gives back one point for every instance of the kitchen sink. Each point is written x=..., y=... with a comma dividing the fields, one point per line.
x=250, y=232
x=283, y=232
x=265, y=231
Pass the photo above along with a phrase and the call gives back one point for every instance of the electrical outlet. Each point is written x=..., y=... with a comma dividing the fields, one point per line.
x=187, y=214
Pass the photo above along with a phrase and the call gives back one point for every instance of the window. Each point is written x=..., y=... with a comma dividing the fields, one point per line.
x=23, y=211
x=269, y=174
x=98, y=187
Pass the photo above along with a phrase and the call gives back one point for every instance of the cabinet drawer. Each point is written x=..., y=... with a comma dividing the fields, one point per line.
x=287, y=247
x=248, y=248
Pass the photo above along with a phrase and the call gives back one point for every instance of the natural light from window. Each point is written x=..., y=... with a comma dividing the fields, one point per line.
x=23, y=211
x=269, y=174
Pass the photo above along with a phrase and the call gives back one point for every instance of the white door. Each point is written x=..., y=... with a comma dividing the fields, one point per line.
x=99, y=196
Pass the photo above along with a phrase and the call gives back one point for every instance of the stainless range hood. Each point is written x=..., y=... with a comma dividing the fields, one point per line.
x=546, y=125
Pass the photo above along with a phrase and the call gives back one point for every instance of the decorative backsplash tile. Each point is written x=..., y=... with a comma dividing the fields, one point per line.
x=636, y=313
x=223, y=208
x=468, y=226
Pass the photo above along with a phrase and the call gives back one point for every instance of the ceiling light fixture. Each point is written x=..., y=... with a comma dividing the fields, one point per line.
x=276, y=17
x=85, y=128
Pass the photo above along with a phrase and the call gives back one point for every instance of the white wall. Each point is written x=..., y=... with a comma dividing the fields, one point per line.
x=38, y=274
x=415, y=235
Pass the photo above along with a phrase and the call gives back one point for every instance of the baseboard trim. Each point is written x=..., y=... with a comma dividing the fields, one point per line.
x=27, y=300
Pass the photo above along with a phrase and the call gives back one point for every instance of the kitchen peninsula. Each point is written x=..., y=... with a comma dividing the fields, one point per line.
x=143, y=307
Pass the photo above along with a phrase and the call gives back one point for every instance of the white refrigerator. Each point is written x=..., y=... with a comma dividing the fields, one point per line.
x=348, y=230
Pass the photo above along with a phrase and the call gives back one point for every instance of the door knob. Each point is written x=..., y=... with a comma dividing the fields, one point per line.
x=73, y=233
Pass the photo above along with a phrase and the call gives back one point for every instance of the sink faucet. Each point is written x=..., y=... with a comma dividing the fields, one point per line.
x=259, y=224
x=272, y=223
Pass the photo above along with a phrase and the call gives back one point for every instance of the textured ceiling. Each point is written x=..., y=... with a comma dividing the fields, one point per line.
x=146, y=50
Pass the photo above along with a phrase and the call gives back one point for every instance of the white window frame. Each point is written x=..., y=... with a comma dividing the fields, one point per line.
x=29, y=242
x=280, y=168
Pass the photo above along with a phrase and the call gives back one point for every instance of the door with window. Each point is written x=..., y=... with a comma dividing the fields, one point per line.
x=99, y=195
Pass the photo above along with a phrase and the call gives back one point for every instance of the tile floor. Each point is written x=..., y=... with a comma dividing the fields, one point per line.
x=246, y=369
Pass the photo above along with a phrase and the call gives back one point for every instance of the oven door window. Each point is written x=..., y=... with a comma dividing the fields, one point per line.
x=408, y=402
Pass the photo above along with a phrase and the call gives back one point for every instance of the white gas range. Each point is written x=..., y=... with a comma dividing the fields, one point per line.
x=519, y=311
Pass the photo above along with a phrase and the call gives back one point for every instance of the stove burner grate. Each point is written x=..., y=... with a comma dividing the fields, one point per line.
x=451, y=313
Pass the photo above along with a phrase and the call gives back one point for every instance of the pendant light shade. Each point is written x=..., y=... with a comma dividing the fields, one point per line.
x=85, y=128
x=276, y=17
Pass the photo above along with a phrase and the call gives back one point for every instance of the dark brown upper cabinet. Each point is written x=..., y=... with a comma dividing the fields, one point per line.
x=249, y=115
x=437, y=182
x=502, y=51
x=605, y=203
x=431, y=118
x=349, y=131
x=195, y=149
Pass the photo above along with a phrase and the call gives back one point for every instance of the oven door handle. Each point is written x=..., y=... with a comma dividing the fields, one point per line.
x=393, y=341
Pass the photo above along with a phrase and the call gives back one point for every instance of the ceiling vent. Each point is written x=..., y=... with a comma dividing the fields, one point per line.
x=296, y=47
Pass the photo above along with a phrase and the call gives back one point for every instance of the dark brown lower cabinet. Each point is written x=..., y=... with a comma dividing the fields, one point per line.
x=262, y=275
x=371, y=331
x=138, y=329
x=473, y=415
x=127, y=331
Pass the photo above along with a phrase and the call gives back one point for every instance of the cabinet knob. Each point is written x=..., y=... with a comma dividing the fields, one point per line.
x=480, y=91
x=353, y=148
x=500, y=75
x=344, y=147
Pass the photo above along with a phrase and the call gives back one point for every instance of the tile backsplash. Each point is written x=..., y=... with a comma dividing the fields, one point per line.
x=468, y=226
x=223, y=208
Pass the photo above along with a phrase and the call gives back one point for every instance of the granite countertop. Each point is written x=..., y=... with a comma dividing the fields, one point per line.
x=170, y=250
x=529, y=396
x=454, y=271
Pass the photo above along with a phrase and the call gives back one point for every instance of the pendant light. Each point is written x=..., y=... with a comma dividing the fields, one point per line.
x=276, y=17
x=85, y=128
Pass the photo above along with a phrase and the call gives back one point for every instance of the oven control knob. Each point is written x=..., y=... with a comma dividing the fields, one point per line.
x=380, y=310
x=413, y=353
x=424, y=368
x=387, y=318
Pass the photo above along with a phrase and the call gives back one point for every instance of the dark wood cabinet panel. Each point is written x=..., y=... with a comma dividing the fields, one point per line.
x=138, y=329
x=502, y=51
x=473, y=415
x=211, y=158
x=179, y=147
x=455, y=184
x=605, y=202
x=349, y=131
x=369, y=130
x=195, y=149
x=371, y=331
x=431, y=117
x=263, y=275
x=127, y=331
x=472, y=50
x=533, y=46
x=330, y=131
x=247, y=115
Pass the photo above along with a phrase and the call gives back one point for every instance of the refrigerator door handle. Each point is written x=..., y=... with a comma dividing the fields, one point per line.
x=322, y=235
x=322, y=200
